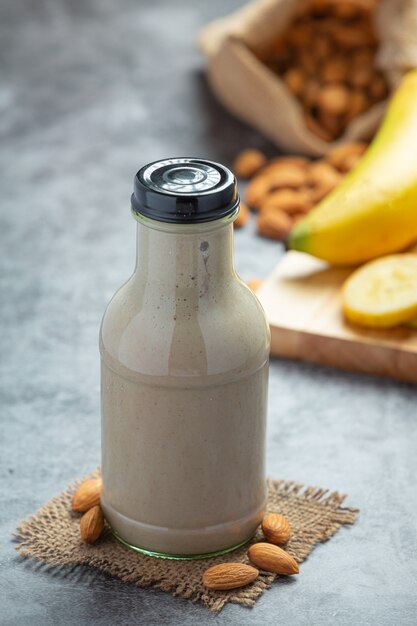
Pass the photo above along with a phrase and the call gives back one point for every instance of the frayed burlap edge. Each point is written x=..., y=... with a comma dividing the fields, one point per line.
x=52, y=537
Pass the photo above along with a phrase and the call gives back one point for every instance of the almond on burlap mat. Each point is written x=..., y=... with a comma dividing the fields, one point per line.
x=52, y=535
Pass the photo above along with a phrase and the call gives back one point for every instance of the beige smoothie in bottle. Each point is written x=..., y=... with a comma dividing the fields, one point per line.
x=184, y=346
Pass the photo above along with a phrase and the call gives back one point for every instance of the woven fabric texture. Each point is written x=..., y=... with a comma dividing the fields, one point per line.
x=52, y=536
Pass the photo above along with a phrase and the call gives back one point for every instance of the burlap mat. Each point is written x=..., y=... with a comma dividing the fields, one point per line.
x=52, y=536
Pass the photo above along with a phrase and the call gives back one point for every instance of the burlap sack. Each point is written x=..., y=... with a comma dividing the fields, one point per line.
x=254, y=94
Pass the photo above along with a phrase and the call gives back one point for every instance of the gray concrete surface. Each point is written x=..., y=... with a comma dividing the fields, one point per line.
x=89, y=91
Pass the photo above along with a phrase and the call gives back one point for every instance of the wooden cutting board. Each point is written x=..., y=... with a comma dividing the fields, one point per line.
x=302, y=302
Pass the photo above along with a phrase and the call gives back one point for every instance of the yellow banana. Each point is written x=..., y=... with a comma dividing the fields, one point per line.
x=374, y=210
x=383, y=292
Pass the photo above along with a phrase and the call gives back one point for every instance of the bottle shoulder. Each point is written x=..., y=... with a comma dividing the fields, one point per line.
x=172, y=335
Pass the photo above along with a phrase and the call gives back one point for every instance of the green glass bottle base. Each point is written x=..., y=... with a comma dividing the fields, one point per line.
x=178, y=557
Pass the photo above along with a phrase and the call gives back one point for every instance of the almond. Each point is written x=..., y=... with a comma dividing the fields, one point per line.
x=311, y=92
x=363, y=56
x=358, y=103
x=289, y=200
x=323, y=175
x=271, y=558
x=257, y=190
x=378, y=87
x=361, y=76
x=346, y=10
x=92, y=524
x=335, y=70
x=321, y=47
x=294, y=79
x=299, y=35
x=242, y=216
x=285, y=173
x=229, y=576
x=351, y=161
x=248, y=162
x=319, y=7
x=328, y=25
x=297, y=218
x=338, y=155
x=332, y=123
x=349, y=37
x=274, y=224
x=307, y=62
x=280, y=173
x=334, y=99
x=87, y=495
x=277, y=163
x=318, y=193
x=276, y=528
x=321, y=171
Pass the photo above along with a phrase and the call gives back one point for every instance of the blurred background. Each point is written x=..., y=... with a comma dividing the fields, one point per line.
x=90, y=90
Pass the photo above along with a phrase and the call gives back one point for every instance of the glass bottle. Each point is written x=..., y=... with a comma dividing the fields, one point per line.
x=185, y=347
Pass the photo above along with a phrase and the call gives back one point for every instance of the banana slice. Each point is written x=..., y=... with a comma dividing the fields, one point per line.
x=382, y=293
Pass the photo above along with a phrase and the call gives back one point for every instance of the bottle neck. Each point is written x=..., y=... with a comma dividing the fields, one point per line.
x=197, y=256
